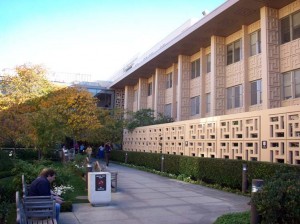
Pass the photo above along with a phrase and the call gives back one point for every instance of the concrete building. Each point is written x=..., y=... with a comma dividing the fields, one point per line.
x=231, y=81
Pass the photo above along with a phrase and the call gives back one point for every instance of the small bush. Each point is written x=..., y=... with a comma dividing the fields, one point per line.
x=279, y=199
x=66, y=206
x=234, y=218
x=4, y=174
x=6, y=163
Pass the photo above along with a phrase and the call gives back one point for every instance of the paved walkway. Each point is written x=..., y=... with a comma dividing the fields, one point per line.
x=146, y=198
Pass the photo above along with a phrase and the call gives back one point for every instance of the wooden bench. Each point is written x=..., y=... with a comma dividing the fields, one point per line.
x=114, y=181
x=35, y=210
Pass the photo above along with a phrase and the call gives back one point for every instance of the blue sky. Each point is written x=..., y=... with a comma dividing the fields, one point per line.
x=94, y=37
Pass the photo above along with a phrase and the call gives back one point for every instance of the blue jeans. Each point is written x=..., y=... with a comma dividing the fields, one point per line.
x=57, y=208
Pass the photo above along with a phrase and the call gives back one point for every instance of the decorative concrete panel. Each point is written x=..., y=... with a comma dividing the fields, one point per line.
x=169, y=95
x=290, y=56
x=195, y=87
x=234, y=74
x=254, y=67
x=218, y=79
x=119, y=98
x=236, y=136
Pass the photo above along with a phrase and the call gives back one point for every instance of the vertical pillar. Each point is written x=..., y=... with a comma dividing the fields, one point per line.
x=218, y=77
x=160, y=89
x=271, y=94
x=246, y=83
x=183, y=100
x=129, y=97
x=202, y=84
x=142, y=93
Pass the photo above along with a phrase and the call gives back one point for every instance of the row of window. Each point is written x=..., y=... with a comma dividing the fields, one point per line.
x=234, y=94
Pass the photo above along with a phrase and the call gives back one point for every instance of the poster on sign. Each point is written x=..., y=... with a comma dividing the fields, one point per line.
x=100, y=182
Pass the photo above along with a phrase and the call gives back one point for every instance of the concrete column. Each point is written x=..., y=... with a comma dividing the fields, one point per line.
x=202, y=84
x=271, y=94
x=245, y=57
x=128, y=101
x=218, y=76
x=175, y=89
x=183, y=100
x=142, y=93
x=160, y=88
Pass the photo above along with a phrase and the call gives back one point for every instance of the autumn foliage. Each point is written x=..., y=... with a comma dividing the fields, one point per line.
x=36, y=113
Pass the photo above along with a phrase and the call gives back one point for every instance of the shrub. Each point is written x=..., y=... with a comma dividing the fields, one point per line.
x=6, y=163
x=279, y=199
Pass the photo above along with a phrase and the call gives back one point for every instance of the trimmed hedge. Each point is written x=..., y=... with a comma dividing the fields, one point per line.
x=224, y=172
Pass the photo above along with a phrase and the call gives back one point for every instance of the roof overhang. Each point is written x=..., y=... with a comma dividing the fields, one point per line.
x=223, y=21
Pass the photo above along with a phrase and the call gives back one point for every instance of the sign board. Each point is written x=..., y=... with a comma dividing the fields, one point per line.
x=264, y=144
x=100, y=182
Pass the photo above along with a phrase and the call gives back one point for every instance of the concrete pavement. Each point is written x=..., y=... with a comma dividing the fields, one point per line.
x=146, y=198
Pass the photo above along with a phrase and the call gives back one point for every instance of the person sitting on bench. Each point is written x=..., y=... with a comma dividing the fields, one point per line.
x=41, y=186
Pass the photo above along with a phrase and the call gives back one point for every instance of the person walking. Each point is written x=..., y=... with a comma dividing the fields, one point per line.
x=41, y=186
x=101, y=151
x=89, y=151
x=107, y=149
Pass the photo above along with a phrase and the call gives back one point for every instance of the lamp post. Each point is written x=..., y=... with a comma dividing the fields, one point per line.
x=257, y=185
x=244, y=179
x=162, y=163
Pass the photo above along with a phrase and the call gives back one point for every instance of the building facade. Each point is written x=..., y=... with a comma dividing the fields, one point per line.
x=231, y=81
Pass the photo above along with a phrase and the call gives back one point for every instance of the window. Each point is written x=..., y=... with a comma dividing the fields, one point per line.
x=234, y=97
x=290, y=27
x=234, y=52
x=135, y=95
x=168, y=110
x=256, y=92
x=195, y=69
x=150, y=89
x=291, y=84
x=169, y=81
x=195, y=105
x=255, y=43
x=207, y=110
x=208, y=63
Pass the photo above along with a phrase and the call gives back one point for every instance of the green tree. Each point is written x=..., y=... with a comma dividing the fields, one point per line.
x=112, y=124
x=145, y=117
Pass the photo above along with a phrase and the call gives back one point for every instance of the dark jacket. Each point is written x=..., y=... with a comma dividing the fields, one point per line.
x=40, y=187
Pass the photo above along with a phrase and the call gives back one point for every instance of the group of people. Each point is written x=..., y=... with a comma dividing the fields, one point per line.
x=104, y=150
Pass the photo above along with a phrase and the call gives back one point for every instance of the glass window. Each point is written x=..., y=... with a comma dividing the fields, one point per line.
x=291, y=85
x=290, y=27
x=207, y=103
x=234, y=52
x=168, y=110
x=169, y=81
x=195, y=105
x=208, y=63
x=150, y=89
x=255, y=43
x=256, y=92
x=195, y=69
x=234, y=97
